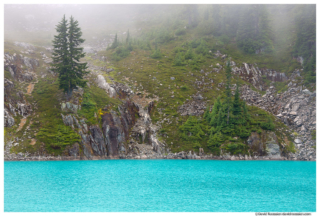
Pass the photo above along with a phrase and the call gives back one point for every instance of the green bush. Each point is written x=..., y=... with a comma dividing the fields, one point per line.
x=235, y=148
x=215, y=142
x=192, y=130
x=156, y=54
x=267, y=125
x=196, y=146
x=179, y=60
x=184, y=88
x=164, y=37
x=291, y=147
x=57, y=136
x=202, y=48
x=180, y=31
x=189, y=54
x=120, y=53
x=194, y=43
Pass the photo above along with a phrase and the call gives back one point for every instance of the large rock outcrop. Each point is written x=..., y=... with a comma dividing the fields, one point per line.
x=264, y=144
x=296, y=107
x=255, y=75
x=104, y=85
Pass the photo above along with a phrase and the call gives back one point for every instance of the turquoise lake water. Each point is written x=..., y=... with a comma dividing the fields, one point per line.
x=160, y=185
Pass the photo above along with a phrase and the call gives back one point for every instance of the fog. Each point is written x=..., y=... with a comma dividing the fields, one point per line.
x=36, y=23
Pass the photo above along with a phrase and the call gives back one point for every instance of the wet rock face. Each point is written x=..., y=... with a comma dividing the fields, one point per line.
x=256, y=145
x=74, y=150
x=116, y=128
x=111, y=133
x=108, y=141
x=264, y=144
x=98, y=143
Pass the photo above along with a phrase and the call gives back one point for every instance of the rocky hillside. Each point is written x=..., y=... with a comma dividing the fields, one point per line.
x=105, y=136
x=127, y=111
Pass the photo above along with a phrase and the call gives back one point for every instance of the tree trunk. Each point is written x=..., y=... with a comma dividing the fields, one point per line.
x=69, y=94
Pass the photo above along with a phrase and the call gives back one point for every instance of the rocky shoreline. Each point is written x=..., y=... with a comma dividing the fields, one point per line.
x=170, y=156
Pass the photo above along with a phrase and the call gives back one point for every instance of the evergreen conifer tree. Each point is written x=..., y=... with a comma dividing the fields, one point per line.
x=214, y=114
x=206, y=114
x=115, y=42
x=237, y=103
x=67, y=54
x=60, y=54
x=214, y=142
x=228, y=90
x=77, y=69
x=245, y=110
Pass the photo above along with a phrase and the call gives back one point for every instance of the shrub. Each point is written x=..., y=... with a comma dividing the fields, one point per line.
x=196, y=146
x=184, y=88
x=191, y=130
x=179, y=60
x=57, y=136
x=215, y=142
x=202, y=48
x=291, y=147
x=189, y=54
x=156, y=54
x=180, y=31
x=194, y=43
x=164, y=37
x=236, y=148
x=267, y=125
x=120, y=53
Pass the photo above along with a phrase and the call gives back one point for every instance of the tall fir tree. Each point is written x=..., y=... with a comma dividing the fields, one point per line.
x=115, y=42
x=228, y=90
x=77, y=69
x=60, y=54
x=66, y=56
x=213, y=116
x=237, y=102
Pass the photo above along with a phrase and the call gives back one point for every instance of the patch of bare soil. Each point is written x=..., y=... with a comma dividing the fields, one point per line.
x=30, y=88
x=33, y=141
x=22, y=122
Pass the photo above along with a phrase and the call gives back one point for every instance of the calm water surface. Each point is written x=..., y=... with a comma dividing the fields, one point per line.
x=160, y=185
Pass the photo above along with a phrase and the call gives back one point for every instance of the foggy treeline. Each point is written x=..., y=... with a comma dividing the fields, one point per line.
x=254, y=28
